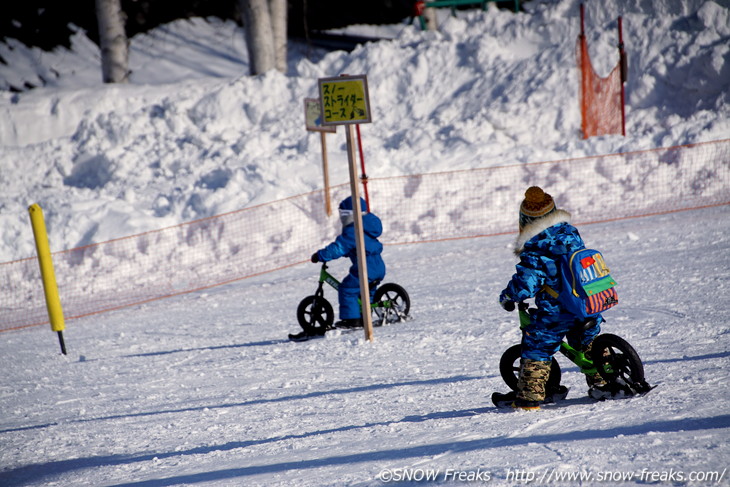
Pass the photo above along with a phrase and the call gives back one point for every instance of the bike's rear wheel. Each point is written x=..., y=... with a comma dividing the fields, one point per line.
x=617, y=361
x=315, y=315
x=509, y=369
x=391, y=304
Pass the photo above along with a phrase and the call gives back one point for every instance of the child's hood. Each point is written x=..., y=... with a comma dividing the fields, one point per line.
x=371, y=225
x=528, y=233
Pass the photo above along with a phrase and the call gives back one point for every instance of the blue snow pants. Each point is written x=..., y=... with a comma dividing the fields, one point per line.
x=348, y=294
x=541, y=338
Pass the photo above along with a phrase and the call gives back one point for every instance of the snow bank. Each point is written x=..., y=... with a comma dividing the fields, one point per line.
x=197, y=139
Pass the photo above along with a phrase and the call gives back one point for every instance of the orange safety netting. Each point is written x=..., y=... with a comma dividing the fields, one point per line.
x=601, y=102
x=414, y=209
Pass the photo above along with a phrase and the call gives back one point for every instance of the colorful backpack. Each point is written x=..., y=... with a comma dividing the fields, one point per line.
x=586, y=287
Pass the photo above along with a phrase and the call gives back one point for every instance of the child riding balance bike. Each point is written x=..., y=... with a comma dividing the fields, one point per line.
x=348, y=291
x=545, y=243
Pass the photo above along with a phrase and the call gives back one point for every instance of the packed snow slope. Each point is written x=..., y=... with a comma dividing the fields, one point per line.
x=204, y=389
x=193, y=136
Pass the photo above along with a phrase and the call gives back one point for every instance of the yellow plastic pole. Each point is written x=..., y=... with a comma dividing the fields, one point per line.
x=50, y=288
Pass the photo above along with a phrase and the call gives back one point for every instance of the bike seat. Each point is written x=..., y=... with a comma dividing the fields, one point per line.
x=375, y=283
x=584, y=325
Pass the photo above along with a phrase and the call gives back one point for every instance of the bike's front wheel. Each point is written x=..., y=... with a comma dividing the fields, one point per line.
x=391, y=304
x=509, y=369
x=315, y=315
x=617, y=361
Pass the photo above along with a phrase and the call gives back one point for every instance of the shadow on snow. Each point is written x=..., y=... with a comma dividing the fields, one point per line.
x=36, y=472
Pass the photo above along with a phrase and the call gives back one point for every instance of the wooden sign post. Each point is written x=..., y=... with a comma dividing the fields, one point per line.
x=313, y=120
x=345, y=101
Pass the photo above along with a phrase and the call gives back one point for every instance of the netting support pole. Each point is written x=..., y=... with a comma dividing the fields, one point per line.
x=583, y=74
x=325, y=169
x=364, y=177
x=624, y=74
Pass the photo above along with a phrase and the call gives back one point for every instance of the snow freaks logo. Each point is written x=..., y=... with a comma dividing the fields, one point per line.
x=432, y=475
x=547, y=476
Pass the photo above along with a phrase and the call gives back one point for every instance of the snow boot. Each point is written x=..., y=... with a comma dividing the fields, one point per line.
x=531, y=384
x=595, y=379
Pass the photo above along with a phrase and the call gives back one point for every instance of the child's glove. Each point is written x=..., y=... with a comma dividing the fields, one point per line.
x=315, y=258
x=506, y=303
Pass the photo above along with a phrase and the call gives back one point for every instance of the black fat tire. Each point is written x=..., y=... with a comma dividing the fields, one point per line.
x=616, y=360
x=398, y=304
x=509, y=369
x=315, y=315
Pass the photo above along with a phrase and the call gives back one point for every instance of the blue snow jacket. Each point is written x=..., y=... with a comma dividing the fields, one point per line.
x=539, y=247
x=345, y=246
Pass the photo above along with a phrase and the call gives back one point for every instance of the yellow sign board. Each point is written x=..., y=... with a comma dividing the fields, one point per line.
x=345, y=100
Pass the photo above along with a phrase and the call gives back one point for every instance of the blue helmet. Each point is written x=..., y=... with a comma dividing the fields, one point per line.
x=346, y=210
x=346, y=204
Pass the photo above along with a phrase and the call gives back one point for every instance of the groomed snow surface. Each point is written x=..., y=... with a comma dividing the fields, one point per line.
x=204, y=389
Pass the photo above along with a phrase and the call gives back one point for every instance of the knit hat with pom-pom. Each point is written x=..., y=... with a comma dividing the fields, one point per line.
x=537, y=204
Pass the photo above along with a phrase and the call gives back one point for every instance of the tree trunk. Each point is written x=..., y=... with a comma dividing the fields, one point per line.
x=259, y=35
x=429, y=14
x=278, y=22
x=112, y=41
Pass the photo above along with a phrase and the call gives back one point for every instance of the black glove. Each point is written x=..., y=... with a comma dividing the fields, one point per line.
x=508, y=305
x=315, y=258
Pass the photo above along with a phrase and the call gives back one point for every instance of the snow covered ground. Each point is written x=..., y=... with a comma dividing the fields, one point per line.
x=204, y=389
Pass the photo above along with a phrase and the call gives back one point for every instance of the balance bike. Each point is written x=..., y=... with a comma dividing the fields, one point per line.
x=611, y=356
x=315, y=314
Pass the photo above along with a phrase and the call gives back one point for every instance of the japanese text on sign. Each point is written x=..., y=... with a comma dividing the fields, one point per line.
x=344, y=100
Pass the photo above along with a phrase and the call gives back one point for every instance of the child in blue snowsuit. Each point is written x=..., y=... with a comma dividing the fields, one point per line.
x=545, y=235
x=344, y=246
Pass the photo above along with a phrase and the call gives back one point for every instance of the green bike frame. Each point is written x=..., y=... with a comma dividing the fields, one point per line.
x=579, y=358
x=325, y=276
